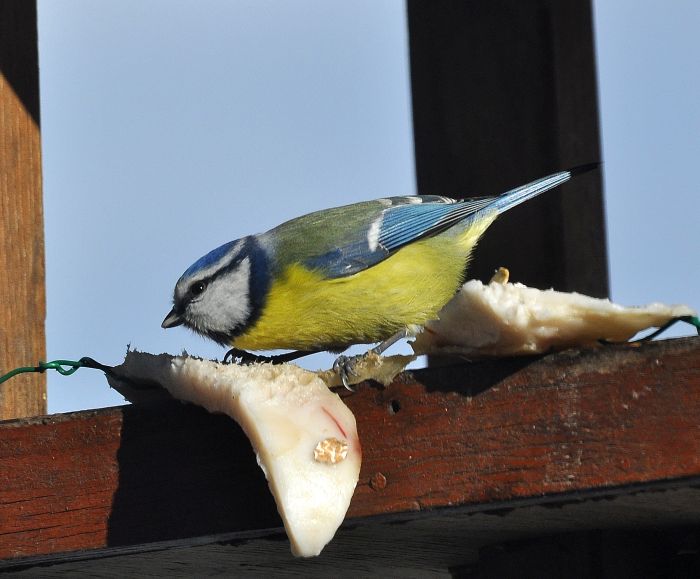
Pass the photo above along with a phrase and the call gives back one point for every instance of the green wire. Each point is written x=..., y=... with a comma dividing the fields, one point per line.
x=63, y=367
x=694, y=321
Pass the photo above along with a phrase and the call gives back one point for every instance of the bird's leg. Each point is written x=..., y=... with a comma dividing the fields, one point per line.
x=390, y=341
x=248, y=358
x=345, y=366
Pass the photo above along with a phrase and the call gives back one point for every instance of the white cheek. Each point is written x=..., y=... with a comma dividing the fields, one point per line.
x=226, y=303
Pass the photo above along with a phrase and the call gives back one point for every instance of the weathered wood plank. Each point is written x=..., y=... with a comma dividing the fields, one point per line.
x=482, y=436
x=22, y=301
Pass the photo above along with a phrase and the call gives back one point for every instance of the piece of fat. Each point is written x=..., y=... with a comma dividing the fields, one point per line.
x=304, y=436
x=506, y=319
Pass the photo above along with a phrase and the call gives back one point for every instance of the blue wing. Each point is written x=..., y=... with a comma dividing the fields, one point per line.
x=407, y=223
x=395, y=222
x=372, y=231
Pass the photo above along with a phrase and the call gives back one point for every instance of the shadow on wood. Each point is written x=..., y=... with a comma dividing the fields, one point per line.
x=202, y=485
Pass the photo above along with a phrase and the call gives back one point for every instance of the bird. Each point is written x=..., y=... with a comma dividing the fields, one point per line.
x=365, y=273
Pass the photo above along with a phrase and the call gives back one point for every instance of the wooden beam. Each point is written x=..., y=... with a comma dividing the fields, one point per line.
x=22, y=298
x=438, y=444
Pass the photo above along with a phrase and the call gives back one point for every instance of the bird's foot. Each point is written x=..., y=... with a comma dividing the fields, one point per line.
x=346, y=366
x=236, y=356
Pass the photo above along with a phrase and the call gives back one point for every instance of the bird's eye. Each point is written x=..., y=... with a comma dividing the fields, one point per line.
x=198, y=288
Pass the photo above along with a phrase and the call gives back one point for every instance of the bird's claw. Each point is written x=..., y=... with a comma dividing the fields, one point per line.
x=236, y=356
x=344, y=366
x=241, y=357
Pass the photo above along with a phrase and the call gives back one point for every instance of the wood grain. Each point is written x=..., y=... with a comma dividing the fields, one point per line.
x=22, y=299
x=461, y=439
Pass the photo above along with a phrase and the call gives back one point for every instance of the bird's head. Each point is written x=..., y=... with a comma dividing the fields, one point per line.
x=214, y=297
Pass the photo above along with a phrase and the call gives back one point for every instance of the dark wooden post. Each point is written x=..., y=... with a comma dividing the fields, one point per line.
x=504, y=91
x=22, y=298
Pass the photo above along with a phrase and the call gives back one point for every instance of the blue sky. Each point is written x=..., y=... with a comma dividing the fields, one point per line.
x=172, y=127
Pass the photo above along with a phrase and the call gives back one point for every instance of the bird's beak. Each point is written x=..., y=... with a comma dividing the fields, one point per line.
x=171, y=320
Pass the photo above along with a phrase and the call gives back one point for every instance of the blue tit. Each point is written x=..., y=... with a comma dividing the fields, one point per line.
x=358, y=274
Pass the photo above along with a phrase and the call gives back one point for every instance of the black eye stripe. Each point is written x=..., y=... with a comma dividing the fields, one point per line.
x=198, y=287
x=235, y=262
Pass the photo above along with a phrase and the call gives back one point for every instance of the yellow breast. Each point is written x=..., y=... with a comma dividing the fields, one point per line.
x=305, y=311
